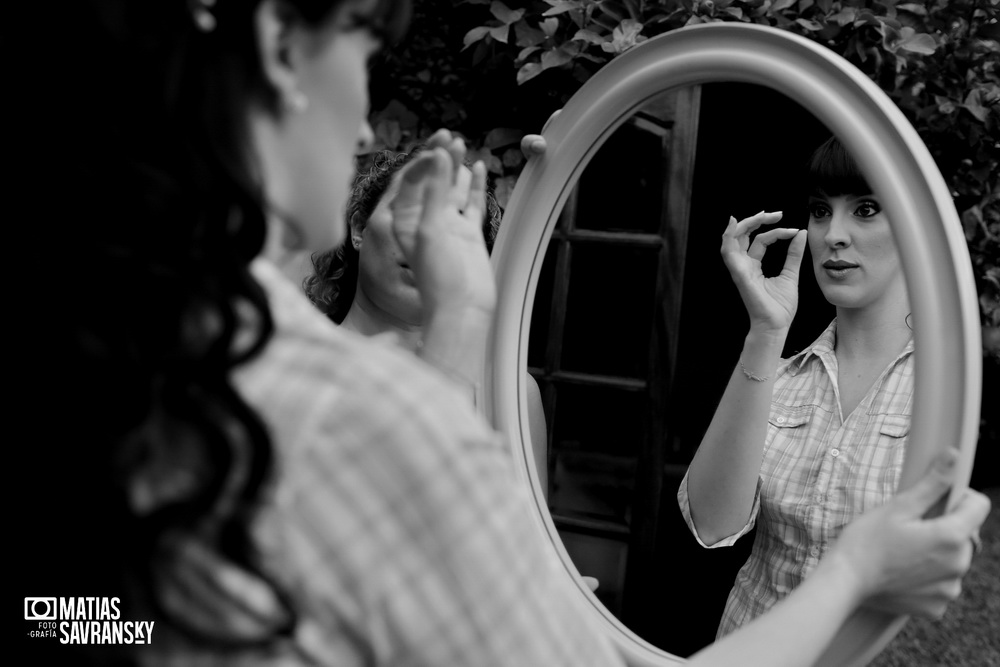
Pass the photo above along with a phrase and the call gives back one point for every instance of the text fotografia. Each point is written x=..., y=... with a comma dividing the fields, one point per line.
x=85, y=620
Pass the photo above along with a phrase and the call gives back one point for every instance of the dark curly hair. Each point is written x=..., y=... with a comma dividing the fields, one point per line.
x=150, y=227
x=334, y=281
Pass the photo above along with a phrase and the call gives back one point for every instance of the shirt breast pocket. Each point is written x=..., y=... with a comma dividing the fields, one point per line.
x=786, y=430
x=783, y=416
x=892, y=434
x=787, y=460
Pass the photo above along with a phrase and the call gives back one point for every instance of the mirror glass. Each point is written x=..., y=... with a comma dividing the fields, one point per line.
x=636, y=327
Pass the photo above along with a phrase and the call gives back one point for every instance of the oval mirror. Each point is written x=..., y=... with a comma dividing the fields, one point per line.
x=667, y=77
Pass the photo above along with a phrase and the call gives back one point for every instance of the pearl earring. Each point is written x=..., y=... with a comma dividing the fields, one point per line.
x=296, y=101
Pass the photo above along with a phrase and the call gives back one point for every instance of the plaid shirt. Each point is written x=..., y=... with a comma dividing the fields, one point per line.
x=397, y=525
x=819, y=472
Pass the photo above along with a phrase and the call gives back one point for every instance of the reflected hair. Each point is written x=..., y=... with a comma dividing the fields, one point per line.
x=334, y=281
x=832, y=170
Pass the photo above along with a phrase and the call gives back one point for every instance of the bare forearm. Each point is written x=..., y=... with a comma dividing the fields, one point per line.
x=723, y=475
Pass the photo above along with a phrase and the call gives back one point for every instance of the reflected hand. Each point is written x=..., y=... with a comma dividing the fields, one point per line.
x=770, y=302
x=906, y=564
x=213, y=595
x=437, y=220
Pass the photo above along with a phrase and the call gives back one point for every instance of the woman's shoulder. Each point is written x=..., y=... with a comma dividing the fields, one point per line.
x=316, y=383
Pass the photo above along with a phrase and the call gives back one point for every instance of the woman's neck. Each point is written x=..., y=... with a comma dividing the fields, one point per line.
x=876, y=331
x=294, y=263
x=367, y=319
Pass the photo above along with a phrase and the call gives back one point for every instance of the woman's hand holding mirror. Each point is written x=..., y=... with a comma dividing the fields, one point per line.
x=910, y=565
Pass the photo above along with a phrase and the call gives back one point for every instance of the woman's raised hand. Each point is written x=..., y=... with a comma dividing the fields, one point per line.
x=770, y=302
x=437, y=219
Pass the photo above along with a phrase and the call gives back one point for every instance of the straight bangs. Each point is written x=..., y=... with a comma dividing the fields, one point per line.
x=834, y=172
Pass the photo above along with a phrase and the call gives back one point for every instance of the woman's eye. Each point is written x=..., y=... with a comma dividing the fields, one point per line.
x=868, y=209
x=819, y=210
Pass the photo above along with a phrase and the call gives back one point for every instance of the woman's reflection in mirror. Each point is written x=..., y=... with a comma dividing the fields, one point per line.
x=801, y=446
x=366, y=285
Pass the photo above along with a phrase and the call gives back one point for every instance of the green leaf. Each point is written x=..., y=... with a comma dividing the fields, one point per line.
x=505, y=13
x=866, y=17
x=973, y=104
x=525, y=35
x=624, y=37
x=500, y=33
x=475, y=35
x=528, y=71
x=527, y=51
x=499, y=137
x=910, y=40
x=590, y=37
x=388, y=133
x=809, y=25
x=549, y=26
x=844, y=16
x=779, y=5
x=561, y=7
x=913, y=8
x=944, y=105
x=613, y=9
x=555, y=58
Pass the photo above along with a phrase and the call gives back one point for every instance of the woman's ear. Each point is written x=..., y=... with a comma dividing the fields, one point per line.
x=276, y=42
x=357, y=229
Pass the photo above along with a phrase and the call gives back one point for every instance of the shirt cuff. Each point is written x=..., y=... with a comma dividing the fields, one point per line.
x=685, y=504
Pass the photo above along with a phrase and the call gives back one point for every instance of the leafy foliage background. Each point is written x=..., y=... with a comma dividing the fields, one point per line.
x=494, y=71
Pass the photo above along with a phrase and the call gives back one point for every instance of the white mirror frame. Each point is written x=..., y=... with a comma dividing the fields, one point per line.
x=896, y=163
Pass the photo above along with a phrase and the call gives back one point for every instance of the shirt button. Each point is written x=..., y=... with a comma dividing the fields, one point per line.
x=780, y=420
x=834, y=452
x=814, y=552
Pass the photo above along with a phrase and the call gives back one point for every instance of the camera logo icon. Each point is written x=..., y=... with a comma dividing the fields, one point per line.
x=40, y=609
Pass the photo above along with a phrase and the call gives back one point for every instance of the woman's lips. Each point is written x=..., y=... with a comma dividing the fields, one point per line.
x=838, y=268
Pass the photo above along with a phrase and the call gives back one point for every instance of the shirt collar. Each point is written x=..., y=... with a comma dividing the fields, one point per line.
x=824, y=345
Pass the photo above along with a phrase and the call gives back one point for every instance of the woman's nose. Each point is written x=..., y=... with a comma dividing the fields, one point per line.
x=366, y=138
x=837, y=235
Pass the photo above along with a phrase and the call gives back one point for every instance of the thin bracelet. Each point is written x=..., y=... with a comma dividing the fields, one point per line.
x=751, y=376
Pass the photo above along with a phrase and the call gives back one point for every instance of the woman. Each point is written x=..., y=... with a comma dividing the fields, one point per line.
x=365, y=284
x=799, y=447
x=189, y=399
